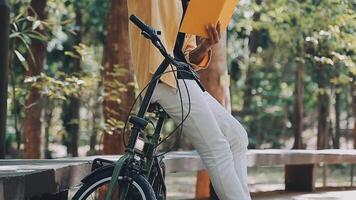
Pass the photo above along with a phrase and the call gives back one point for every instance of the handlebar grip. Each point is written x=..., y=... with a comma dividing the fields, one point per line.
x=144, y=27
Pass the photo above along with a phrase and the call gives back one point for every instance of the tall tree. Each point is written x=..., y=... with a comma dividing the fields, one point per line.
x=298, y=103
x=71, y=109
x=216, y=81
x=323, y=108
x=33, y=103
x=4, y=51
x=253, y=45
x=116, y=55
x=47, y=118
x=353, y=94
x=337, y=106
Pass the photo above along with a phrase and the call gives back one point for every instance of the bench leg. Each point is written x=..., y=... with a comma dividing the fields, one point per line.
x=202, y=186
x=57, y=196
x=300, y=177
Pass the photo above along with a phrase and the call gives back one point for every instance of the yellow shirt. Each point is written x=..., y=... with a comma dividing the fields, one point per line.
x=165, y=16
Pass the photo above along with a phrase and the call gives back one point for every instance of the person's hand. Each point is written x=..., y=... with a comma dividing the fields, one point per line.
x=214, y=34
x=205, y=44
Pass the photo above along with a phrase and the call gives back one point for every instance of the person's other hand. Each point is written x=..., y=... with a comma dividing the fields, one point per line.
x=214, y=34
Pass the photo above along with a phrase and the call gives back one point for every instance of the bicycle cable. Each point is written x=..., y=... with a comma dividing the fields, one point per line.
x=182, y=113
x=139, y=95
x=181, y=123
x=181, y=101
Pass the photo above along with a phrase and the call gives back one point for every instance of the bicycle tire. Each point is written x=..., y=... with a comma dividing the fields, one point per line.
x=103, y=179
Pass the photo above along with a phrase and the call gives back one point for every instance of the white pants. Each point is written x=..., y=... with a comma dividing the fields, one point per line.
x=219, y=138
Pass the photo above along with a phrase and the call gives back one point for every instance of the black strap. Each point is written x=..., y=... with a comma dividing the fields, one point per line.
x=178, y=53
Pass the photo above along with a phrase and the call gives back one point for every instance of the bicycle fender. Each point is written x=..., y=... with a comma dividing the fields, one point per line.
x=103, y=169
x=115, y=174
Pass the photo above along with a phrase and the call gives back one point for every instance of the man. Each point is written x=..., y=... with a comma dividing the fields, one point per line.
x=219, y=138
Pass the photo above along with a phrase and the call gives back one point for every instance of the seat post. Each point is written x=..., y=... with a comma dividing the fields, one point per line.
x=154, y=139
x=162, y=115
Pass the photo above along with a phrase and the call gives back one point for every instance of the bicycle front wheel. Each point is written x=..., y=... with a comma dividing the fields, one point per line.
x=97, y=187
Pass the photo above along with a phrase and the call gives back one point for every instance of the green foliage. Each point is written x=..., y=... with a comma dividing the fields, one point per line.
x=319, y=34
x=58, y=83
x=60, y=88
x=23, y=31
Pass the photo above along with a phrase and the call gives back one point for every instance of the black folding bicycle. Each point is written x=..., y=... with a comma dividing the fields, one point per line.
x=139, y=173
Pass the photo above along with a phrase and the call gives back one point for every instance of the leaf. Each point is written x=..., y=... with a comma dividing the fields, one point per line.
x=71, y=54
x=19, y=16
x=21, y=59
x=353, y=70
x=15, y=26
x=19, y=56
x=27, y=47
x=36, y=24
x=30, y=18
x=37, y=36
x=15, y=34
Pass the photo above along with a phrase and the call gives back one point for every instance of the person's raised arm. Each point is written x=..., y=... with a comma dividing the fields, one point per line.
x=202, y=52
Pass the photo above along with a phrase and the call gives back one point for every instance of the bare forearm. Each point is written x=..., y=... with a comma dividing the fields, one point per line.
x=198, y=54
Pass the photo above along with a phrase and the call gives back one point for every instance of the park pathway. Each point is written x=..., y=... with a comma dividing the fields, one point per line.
x=333, y=195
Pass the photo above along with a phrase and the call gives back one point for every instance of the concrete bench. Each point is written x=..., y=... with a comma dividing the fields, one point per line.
x=51, y=179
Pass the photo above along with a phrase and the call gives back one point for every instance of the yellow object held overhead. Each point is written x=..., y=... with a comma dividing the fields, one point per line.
x=201, y=13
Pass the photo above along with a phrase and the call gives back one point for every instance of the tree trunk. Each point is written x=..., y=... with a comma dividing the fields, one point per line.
x=15, y=101
x=71, y=116
x=33, y=102
x=353, y=94
x=75, y=101
x=336, y=142
x=249, y=82
x=4, y=55
x=353, y=104
x=95, y=130
x=298, y=107
x=71, y=125
x=249, y=79
x=216, y=81
x=47, y=124
x=117, y=54
x=252, y=45
x=323, y=109
x=95, y=121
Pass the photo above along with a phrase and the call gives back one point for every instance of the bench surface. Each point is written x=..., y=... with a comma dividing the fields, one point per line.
x=20, y=178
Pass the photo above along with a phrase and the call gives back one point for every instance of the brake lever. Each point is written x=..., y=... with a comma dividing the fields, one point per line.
x=146, y=35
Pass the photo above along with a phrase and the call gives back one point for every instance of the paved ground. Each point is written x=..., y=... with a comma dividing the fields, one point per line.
x=181, y=186
x=335, y=195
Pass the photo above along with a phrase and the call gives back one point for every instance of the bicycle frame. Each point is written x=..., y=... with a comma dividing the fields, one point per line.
x=139, y=126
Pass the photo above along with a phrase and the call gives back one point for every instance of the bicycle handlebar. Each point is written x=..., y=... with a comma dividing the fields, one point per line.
x=152, y=33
